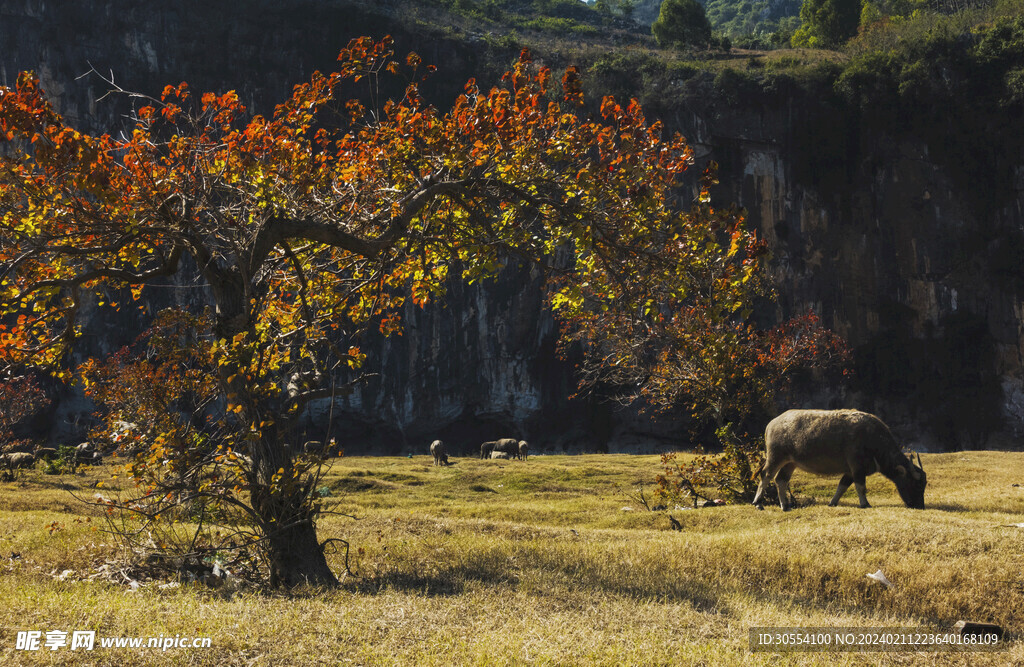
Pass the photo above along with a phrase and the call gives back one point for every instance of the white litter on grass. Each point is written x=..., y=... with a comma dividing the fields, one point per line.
x=1013, y=525
x=133, y=586
x=64, y=575
x=627, y=509
x=880, y=578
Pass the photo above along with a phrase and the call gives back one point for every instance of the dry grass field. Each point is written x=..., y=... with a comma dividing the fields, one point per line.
x=540, y=562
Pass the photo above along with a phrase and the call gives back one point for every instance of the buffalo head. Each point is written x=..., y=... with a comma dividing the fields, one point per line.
x=910, y=482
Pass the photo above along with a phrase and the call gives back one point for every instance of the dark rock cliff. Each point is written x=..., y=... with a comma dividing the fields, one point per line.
x=897, y=253
x=873, y=233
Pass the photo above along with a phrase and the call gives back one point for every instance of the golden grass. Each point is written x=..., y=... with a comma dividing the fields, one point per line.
x=538, y=562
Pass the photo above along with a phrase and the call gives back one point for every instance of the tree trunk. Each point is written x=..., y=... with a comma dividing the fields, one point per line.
x=296, y=558
x=281, y=499
x=287, y=514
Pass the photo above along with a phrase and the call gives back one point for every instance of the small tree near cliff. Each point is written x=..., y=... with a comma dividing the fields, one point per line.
x=699, y=351
x=827, y=24
x=21, y=396
x=682, y=23
x=731, y=381
x=310, y=226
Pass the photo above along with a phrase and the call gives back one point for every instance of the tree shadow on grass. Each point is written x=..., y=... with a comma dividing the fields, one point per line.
x=407, y=582
x=700, y=596
x=443, y=584
x=453, y=582
x=457, y=582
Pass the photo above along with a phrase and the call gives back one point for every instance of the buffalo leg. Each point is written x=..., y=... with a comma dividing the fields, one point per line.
x=767, y=473
x=782, y=485
x=862, y=489
x=844, y=484
x=774, y=471
x=758, y=497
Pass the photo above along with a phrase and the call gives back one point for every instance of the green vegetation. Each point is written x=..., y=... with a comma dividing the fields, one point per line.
x=547, y=567
x=754, y=23
x=827, y=23
x=749, y=24
x=681, y=23
x=953, y=83
x=553, y=16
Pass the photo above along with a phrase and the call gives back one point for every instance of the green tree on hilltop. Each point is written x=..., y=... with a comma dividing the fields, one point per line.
x=682, y=23
x=827, y=23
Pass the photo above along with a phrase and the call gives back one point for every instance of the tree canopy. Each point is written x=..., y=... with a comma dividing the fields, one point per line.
x=681, y=23
x=314, y=224
x=827, y=23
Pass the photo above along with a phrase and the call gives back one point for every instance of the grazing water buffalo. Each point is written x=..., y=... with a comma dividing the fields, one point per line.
x=19, y=460
x=439, y=453
x=524, y=450
x=509, y=446
x=95, y=458
x=850, y=443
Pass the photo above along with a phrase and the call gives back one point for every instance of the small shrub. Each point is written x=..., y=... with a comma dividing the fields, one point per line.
x=61, y=464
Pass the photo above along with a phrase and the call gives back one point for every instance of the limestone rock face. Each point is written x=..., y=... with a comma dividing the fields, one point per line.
x=880, y=241
x=895, y=256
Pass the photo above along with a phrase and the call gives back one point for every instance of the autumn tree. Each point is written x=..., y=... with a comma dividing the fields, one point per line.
x=322, y=220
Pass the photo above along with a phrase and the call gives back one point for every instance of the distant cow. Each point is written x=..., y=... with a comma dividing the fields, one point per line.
x=524, y=450
x=439, y=453
x=500, y=455
x=19, y=460
x=46, y=453
x=84, y=453
x=313, y=447
x=850, y=443
x=509, y=446
x=486, y=449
